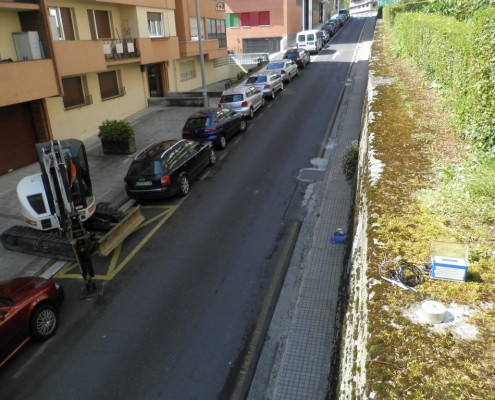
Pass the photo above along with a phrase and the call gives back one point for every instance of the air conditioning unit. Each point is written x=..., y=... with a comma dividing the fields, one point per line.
x=28, y=46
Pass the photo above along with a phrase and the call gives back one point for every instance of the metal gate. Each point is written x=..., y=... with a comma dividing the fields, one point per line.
x=261, y=45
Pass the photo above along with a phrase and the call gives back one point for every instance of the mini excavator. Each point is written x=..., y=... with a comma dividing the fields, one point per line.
x=62, y=218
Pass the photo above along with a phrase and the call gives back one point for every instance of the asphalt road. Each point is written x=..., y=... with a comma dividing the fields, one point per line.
x=175, y=322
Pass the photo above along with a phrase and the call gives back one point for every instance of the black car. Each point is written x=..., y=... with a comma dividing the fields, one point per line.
x=214, y=124
x=300, y=56
x=167, y=168
x=331, y=27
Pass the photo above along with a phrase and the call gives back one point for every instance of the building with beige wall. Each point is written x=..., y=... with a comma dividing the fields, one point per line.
x=67, y=65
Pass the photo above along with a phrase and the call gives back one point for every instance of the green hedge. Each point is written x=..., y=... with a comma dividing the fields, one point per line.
x=460, y=56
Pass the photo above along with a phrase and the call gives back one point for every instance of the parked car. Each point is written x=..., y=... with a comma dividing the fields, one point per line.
x=214, y=124
x=345, y=13
x=287, y=69
x=300, y=56
x=324, y=35
x=29, y=308
x=245, y=100
x=338, y=19
x=268, y=83
x=309, y=40
x=167, y=168
x=331, y=27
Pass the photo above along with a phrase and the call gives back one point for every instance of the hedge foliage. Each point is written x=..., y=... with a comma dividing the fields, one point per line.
x=460, y=57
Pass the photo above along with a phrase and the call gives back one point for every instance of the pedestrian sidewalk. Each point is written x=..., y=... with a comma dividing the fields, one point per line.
x=107, y=174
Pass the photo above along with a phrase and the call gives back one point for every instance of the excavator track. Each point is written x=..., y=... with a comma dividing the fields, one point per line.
x=31, y=241
x=106, y=228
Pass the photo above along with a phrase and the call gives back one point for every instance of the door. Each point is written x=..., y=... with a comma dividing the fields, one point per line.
x=155, y=82
x=18, y=138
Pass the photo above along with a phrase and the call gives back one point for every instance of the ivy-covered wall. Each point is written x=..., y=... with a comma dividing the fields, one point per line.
x=457, y=55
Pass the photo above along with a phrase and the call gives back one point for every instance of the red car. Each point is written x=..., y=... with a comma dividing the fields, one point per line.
x=28, y=309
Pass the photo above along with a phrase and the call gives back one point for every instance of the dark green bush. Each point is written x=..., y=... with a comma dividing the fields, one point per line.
x=460, y=57
x=350, y=160
x=114, y=130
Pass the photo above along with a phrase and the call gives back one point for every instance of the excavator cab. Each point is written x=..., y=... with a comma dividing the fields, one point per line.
x=48, y=198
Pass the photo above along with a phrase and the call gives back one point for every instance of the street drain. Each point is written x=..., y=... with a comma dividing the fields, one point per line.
x=311, y=174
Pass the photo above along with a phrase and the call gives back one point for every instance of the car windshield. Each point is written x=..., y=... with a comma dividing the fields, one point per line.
x=230, y=98
x=275, y=66
x=200, y=122
x=145, y=168
x=257, y=79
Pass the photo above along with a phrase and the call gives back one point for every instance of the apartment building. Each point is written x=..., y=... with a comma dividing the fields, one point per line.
x=67, y=65
x=260, y=26
x=187, y=70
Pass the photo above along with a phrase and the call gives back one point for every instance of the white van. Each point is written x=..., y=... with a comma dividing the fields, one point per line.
x=310, y=41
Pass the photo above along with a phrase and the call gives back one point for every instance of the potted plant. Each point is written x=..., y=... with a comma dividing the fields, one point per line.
x=117, y=137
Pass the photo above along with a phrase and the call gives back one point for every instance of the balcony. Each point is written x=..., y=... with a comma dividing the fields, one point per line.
x=169, y=4
x=27, y=80
x=18, y=5
x=157, y=50
x=120, y=50
x=191, y=48
x=78, y=57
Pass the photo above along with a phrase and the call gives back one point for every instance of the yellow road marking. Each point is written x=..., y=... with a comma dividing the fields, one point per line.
x=114, y=266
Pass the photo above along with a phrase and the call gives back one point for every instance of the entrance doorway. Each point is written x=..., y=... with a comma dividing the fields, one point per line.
x=155, y=82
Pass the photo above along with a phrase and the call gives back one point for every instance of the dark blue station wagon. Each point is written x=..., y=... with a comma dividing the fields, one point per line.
x=214, y=124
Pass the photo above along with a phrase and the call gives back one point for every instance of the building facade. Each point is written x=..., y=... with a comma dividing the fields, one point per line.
x=258, y=26
x=67, y=65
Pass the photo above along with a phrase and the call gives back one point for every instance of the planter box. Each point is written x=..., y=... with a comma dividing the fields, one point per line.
x=119, y=147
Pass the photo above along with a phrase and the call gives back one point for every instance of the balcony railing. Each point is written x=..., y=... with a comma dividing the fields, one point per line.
x=120, y=49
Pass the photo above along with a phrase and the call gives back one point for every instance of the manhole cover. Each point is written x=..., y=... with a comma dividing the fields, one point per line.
x=311, y=174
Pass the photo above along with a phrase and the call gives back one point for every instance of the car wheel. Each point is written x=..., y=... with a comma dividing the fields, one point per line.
x=183, y=185
x=243, y=125
x=44, y=322
x=222, y=142
x=251, y=112
x=213, y=157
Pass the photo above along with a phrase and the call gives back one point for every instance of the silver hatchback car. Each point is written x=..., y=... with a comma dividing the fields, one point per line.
x=244, y=100
x=268, y=83
x=287, y=69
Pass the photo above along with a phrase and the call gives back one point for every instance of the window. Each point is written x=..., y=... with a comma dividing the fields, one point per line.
x=232, y=20
x=264, y=17
x=109, y=85
x=100, y=24
x=261, y=18
x=187, y=70
x=216, y=30
x=61, y=23
x=194, y=28
x=155, y=24
x=75, y=92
